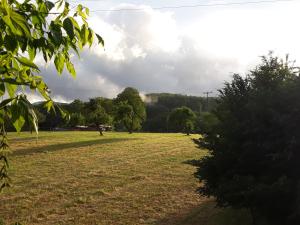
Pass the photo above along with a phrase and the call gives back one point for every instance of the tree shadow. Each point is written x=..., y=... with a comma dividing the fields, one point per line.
x=208, y=214
x=192, y=162
x=63, y=146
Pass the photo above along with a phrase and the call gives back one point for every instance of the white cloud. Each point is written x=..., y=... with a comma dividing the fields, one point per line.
x=151, y=52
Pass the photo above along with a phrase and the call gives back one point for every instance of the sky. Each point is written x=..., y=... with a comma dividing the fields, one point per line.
x=187, y=50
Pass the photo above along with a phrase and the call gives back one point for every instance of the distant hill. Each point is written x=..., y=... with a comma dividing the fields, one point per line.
x=159, y=105
x=171, y=101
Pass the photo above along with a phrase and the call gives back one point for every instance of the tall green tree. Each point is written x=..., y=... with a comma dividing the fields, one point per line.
x=99, y=117
x=182, y=120
x=29, y=29
x=254, y=147
x=130, y=109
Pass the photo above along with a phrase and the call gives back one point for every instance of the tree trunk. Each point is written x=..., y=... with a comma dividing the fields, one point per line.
x=100, y=130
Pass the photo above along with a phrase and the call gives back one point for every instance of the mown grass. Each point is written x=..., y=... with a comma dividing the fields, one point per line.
x=82, y=178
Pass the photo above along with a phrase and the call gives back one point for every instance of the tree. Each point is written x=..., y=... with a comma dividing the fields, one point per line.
x=130, y=109
x=96, y=113
x=99, y=117
x=29, y=29
x=254, y=147
x=182, y=119
x=76, y=119
x=156, y=118
x=206, y=122
x=76, y=106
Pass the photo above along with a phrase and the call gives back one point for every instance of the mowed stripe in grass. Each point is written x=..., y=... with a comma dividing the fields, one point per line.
x=120, y=178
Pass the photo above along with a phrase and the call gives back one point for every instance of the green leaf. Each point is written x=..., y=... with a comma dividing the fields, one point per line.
x=59, y=62
x=2, y=70
x=21, y=22
x=43, y=90
x=64, y=114
x=79, y=8
x=5, y=102
x=84, y=34
x=31, y=52
x=13, y=81
x=10, y=24
x=87, y=11
x=11, y=89
x=2, y=89
x=31, y=116
x=17, y=112
x=56, y=33
x=49, y=105
x=10, y=43
x=90, y=37
x=49, y=5
x=75, y=24
x=19, y=123
x=42, y=7
x=73, y=46
x=22, y=43
x=71, y=69
x=69, y=28
x=36, y=21
x=100, y=39
x=26, y=62
x=60, y=2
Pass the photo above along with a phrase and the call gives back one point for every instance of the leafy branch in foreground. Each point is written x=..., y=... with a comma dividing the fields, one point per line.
x=31, y=29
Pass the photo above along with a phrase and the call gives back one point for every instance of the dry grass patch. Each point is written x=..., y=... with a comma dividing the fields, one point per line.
x=82, y=178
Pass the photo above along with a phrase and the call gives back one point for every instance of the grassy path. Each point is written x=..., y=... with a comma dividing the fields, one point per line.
x=82, y=178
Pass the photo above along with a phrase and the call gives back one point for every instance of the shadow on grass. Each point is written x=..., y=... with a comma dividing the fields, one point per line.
x=68, y=145
x=192, y=162
x=32, y=138
x=208, y=214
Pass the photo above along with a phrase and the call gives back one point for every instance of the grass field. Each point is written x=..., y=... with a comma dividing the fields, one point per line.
x=82, y=178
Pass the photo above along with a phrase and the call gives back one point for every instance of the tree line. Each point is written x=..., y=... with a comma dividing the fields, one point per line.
x=157, y=112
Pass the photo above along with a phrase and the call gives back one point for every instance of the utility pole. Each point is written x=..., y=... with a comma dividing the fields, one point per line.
x=207, y=93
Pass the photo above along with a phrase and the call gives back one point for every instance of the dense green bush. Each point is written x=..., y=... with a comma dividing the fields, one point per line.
x=254, y=147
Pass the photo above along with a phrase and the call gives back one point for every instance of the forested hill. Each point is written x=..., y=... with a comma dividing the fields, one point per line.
x=171, y=101
x=159, y=106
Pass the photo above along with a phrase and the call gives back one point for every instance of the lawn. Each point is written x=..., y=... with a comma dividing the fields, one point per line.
x=82, y=178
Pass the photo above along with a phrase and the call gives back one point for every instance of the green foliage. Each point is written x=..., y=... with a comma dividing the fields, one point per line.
x=76, y=106
x=130, y=109
x=159, y=106
x=28, y=29
x=254, y=146
x=76, y=119
x=182, y=120
x=207, y=122
x=156, y=118
x=99, y=117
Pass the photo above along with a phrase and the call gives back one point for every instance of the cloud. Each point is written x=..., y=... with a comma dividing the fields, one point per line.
x=149, y=51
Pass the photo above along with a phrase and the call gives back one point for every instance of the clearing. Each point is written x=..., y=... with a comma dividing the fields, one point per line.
x=119, y=179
